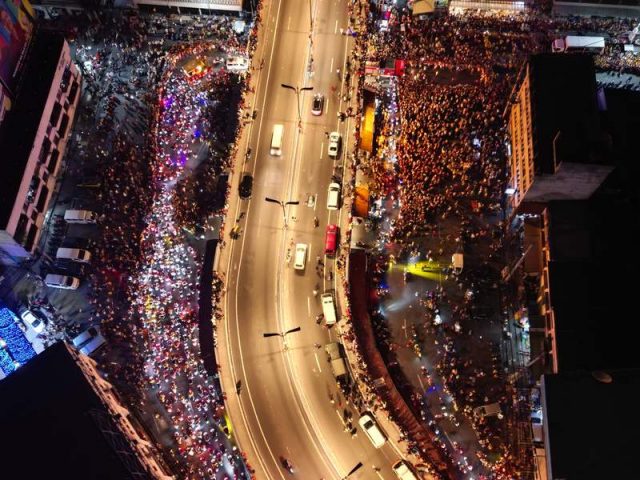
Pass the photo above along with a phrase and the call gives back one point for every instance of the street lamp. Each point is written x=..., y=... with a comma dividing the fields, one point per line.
x=282, y=335
x=283, y=205
x=353, y=470
x=297, y=91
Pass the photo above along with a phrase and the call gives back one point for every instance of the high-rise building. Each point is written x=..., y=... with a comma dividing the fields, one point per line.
x=33, y=140
x=61, y=419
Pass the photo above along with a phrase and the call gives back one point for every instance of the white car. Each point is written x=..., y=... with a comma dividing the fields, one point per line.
x=403, y=471
x=333, y=196
x=37, y=324
x=300, y=257
x=335, y=140
x=371, y=428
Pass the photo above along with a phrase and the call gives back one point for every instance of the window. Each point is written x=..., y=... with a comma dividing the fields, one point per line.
x=53, y=160
x=44, y=150
x=55, y=114
x=21, y=229
x=73, y=93
x=42, y=199
x=64, y=124
x=31, y=237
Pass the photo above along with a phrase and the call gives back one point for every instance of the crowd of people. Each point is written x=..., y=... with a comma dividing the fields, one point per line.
x=447, y=162
x=162, y=139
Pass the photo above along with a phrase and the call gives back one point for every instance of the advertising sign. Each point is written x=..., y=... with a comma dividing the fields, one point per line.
x=16, y=27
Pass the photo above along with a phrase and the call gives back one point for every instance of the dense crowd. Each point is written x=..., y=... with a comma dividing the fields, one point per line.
x=162, y=140
x=448, y=162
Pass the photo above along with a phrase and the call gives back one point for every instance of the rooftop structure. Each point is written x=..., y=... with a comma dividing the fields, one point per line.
x=61, y=419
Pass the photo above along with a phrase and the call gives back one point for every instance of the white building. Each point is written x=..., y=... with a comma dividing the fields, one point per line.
x=33, y=139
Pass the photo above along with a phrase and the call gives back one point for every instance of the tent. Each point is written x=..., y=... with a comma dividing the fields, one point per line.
x=422, y=7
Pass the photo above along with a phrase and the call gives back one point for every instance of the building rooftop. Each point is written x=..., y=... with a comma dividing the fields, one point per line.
x=21, y=123
x=564, y=108
x=54, y=425
x=591, y=426
x=593, y=278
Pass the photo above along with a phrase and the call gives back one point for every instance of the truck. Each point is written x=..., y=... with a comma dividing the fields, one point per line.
x=574, y=43
x=336, y=360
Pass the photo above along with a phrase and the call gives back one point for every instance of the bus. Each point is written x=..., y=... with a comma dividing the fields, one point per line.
x=276, y=140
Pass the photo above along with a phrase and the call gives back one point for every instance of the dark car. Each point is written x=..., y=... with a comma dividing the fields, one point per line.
x=246, y=185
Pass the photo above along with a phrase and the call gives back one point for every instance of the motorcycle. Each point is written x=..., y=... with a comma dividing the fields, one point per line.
x=287, y=465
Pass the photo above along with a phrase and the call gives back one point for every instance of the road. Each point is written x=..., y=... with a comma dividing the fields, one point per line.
x=283, y=407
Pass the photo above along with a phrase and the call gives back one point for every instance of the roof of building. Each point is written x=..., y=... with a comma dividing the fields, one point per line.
x=591, y=426
x=604, y=3
x=593, y=279
x=21, y=123
x=53, y=424
x=564, y=108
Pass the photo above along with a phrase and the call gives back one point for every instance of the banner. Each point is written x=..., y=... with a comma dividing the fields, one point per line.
x=16, y=28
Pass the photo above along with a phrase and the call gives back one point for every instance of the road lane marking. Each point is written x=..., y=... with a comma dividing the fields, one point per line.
x=321, y=149
x=335, y=30
x=289, y=24
x=315, y=354
x=331, y=65
x=309, y=306
x=248, y=396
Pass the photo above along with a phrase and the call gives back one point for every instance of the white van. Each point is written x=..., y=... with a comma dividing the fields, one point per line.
x=403, y=471
x=66, y=282
x=300, y=259
x=328, y=308
x=80, y=216
x=237, y=64
x=74, y=254
x=89, y=341
x=333, y=196
x=488, y=410
x=371, y=428
x=276, y=140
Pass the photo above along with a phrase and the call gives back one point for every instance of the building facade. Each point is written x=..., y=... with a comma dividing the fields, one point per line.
x=521, y=132
x=33, y=140
x=207, y=5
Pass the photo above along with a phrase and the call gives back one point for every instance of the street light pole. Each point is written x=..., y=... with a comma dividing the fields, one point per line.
x=297, y=91
x=283, y=205
x=282, y=335
x=352, y=471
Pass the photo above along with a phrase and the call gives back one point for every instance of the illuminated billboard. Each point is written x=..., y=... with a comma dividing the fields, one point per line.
x=16, y=28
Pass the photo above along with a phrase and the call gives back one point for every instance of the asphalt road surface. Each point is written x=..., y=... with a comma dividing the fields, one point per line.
x=283, y=407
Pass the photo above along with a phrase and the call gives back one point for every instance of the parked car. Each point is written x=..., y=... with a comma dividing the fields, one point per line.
x=333, y=196
x=403, y=471
x=372, y=430
x=317, y=106
x=74, y=254
x=331, y=239
x=335, y=141
x=89, y=341
x=488, y=410
x=80, y=216
x=32, y=320
x=246, y=185
x=66, y=282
